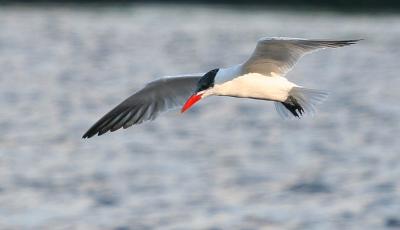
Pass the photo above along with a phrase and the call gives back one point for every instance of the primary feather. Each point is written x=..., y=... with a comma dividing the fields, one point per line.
x=279, y=55
x=157, y=96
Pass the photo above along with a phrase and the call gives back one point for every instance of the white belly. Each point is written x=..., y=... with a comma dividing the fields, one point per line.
x=258, y=86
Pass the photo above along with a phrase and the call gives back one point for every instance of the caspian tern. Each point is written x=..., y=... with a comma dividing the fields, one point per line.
x=261, y=77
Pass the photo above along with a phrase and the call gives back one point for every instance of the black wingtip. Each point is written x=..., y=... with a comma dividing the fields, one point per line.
x=95, y=129
x=112, y=121
x=85, y=136
x=339, y=43
x=88, y=135
x=354, y=41
x=349, y=42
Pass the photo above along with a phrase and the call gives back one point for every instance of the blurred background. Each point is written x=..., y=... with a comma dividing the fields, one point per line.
x=227, y=163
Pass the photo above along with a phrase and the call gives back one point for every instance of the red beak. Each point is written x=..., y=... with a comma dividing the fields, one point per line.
x=191, y=101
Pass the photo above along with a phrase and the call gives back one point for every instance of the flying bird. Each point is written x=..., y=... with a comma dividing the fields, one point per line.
x=260, y=77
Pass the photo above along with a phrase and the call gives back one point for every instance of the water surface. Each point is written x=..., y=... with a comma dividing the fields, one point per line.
x=226, y=164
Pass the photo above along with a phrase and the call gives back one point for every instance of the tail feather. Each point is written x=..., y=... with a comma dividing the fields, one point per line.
x=300, y=101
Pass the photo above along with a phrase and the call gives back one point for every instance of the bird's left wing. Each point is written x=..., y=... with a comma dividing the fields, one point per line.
x=157, y=96
x=277, y=56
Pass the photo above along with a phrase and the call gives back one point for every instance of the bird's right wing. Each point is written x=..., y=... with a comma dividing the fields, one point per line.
x=279, y=55
x=157, y=96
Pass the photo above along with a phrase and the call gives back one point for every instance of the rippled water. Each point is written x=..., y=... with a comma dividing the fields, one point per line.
x=226, y=164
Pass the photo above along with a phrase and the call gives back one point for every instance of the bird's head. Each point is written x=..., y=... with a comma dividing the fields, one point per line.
x=203, y=89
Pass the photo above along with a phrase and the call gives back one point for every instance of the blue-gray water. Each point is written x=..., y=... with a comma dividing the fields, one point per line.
x=226, y=164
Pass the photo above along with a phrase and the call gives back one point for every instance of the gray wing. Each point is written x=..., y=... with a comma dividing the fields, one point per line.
x=157, y=96
x=279, y=55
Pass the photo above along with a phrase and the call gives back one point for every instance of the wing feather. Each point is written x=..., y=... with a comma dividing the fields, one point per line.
x=277, y=56
x=146, y=104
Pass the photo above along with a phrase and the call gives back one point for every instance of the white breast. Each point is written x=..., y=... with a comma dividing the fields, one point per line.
x=257, y=86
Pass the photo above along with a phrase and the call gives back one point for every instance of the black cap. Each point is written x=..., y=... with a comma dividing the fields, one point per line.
x=207, y=81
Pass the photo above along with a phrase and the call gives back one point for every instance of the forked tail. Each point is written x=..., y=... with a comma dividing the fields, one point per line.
x=300, y=101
